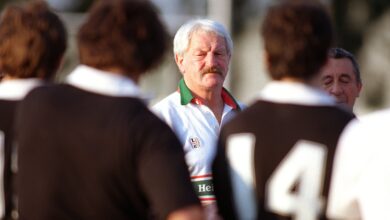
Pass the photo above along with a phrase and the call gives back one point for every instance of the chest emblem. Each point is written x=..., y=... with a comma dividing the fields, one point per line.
x=195, y=143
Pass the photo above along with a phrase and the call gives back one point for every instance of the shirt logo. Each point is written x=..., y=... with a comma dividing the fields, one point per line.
x=203, y=185
x=195, y=143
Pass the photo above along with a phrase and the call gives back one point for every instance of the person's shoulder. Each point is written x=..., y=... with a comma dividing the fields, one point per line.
x=42, y=90
x=167, y=104
x=371, y=127
x=380, y=116
x=339, y=114
x=248, y=116
x=46, y=94
x=241, y=105
x=373, y=123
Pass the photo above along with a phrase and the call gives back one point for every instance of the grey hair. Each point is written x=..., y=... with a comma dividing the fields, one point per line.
x=339, y=53
x=184, y=34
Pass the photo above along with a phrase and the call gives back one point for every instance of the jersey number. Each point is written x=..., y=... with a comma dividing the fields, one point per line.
x=303, y=165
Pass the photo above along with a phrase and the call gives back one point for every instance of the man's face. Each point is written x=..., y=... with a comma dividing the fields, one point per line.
x=337, y=77
x=205, y=63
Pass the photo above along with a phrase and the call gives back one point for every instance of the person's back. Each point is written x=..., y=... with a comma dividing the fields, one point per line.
x=33, y=41
x=94, y=157
x=90, y=148
x=274, y=159
x=284, y=144
x=361, y=177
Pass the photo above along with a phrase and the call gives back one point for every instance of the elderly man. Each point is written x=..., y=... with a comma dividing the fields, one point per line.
x=341, y=77
x=196, y=111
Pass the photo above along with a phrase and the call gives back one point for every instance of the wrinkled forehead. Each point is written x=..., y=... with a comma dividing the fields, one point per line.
x=202, y=30
x=338, y=66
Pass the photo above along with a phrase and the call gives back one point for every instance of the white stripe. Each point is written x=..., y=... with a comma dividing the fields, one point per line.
x=2, y=202
x=240, y=155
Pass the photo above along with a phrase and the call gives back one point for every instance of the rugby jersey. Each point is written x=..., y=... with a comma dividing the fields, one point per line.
x=274, y=160
x=198, y=129
x=91, y=149
x=11, y=93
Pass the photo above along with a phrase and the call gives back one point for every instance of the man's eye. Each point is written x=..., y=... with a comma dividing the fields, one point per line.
x=220, y=53
x=199, y=54
x=345, y=79
x=327, y=82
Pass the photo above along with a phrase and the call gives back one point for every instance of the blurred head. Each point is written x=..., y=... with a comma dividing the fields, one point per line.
x=32, y=41
x=122, y=35
x=203, y=49
x=297, y=36
x=340, y=77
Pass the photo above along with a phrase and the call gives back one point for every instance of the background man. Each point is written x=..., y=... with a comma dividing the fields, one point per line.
x=274, y=159
x=340, y=77
x=196, y=111
x=32, y=43
x=91, y=149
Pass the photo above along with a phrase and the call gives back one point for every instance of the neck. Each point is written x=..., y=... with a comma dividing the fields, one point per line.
x=292, y=79
x=8, y=77
x=122, y=72
x=213, y=100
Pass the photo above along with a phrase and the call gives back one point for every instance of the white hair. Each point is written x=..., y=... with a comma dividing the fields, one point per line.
x=184, y=34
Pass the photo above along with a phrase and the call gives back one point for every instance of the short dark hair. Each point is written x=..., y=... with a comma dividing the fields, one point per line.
x=32, y=41
x=126, y=34
x=297, y=36
x=339, y=53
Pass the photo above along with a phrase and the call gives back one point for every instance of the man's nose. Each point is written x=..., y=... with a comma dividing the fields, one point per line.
x=211, y=59
x=336, y=89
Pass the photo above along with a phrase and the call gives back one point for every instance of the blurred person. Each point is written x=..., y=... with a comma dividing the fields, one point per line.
x=340, y=77
x=90, y=148
x=201, y=105
x=274, y=159
x=361, y=177
x=32, y=44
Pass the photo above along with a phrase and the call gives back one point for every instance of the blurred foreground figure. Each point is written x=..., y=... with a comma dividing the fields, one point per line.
x=340, y=77
x=274, y=159
x=32, y=43
x=361, y=175
x=90, y=148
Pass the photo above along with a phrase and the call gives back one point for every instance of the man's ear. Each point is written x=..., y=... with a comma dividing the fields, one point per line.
x=359, y=85
x=179, y=61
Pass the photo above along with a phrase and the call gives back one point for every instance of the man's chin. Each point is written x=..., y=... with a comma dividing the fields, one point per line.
x=345, y=105
x=213, y=74
x=213, y=78
x=213, y=83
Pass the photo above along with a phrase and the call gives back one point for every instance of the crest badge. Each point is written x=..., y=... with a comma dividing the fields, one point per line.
x=195, y=143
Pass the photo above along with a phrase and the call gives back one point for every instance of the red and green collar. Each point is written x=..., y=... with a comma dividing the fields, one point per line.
x=187, y=97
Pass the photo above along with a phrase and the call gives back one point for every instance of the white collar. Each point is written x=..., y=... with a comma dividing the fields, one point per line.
x=102, y=82
x=295, y=93
x=17, y=89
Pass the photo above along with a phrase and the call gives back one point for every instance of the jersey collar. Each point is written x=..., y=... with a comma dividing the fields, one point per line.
x=187, y=97
x=102, y=82
x=295, y=93
x=16, y=89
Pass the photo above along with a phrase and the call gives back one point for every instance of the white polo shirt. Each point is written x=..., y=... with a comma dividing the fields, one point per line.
x=360, y=187
x=198, y=130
